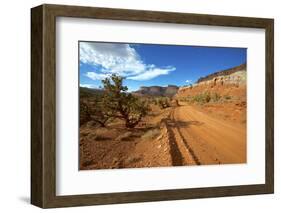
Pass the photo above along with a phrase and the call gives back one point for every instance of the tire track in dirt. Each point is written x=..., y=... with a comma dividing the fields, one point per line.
x=213, y=141
x=191, y=154
x=176, y=156
x=181, y=153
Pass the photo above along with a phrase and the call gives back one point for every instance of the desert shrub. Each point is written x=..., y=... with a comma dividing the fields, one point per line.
x=206, y=97
x=150, y=134
x=84, y=113
x=186, y=99
x=92, y=110
x=120, y=104
x=151, y=100
x=202, y=98
x=227, y=97
x=215, y=97
x=183, y=99
x=163, y=102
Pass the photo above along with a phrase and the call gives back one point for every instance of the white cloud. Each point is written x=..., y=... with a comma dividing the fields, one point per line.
x=121, y=59
x=188, y=81
x=149, y=74
x=91, y=86
x=96, y=76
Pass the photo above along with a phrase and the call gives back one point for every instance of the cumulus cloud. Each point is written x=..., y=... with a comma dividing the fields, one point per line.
x=188, y=81
x=96, y=76
x=91, y=86
x=121, y=59
x=149, y=74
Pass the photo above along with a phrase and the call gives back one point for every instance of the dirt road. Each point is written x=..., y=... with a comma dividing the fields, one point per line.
x=197, y=138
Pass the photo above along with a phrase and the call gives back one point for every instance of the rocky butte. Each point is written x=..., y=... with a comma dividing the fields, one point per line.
x=169, y=91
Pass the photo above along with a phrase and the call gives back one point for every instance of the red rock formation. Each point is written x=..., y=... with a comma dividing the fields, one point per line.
x=231, y=82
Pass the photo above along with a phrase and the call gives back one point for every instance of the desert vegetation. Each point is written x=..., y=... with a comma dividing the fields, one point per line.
x=162, y=102
x=203, y=98
x=114, y=102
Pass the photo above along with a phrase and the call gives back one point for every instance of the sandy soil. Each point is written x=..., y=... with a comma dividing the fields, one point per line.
x=204, y=139
x=176, y=136
x=118, y=147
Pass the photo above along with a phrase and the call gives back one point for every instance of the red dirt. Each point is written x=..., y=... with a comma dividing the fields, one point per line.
x=183, y=135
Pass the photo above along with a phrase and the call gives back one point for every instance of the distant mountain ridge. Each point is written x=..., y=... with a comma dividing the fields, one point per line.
x=169, y=91
x=85, y=92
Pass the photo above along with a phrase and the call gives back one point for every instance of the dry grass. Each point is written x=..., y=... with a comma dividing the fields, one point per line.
x=125, y=137
x=151, y=134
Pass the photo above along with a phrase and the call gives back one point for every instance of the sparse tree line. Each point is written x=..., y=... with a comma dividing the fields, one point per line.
x=115, y=102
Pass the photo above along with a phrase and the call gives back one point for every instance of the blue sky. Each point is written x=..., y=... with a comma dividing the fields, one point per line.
x=152, y=64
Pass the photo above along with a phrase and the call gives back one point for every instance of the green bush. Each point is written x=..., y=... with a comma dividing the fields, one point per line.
x=92, y=110
x=163, y=102
x=206, y=97
x=101, y=106
x=120, y=104
x=202, y=98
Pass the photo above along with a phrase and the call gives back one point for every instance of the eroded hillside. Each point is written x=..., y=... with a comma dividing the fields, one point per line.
x=230, y=84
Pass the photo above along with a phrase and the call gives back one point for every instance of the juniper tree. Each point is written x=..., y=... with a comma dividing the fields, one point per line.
x=121, y=104
x=92, y=110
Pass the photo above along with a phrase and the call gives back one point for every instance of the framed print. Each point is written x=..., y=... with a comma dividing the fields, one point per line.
x=136, y=106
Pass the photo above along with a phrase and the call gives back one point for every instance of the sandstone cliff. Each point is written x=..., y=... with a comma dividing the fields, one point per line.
x=230, y=82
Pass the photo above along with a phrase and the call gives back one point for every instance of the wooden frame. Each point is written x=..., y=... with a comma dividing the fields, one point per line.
x=43, y=106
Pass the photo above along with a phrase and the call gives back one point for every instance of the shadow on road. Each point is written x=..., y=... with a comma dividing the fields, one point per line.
x=172, y=123
x=177, y=158
x=176, y=155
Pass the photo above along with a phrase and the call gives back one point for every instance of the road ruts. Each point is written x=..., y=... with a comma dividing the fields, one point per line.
x=202, y=139
x=181, y=152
